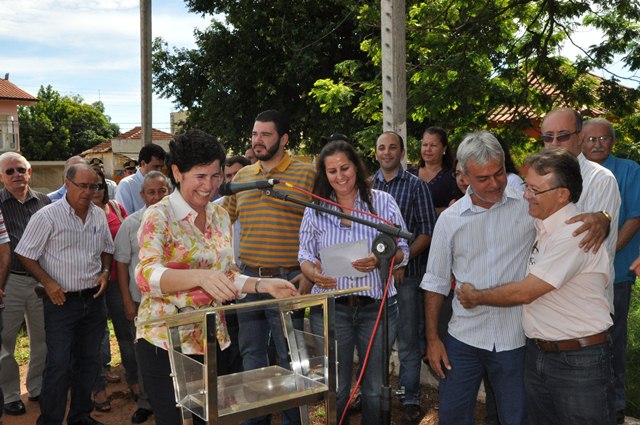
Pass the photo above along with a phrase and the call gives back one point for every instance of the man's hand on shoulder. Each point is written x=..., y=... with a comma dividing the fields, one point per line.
x=597, y=227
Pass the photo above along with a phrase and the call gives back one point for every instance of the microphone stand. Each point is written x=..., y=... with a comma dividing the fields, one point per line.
x=384, y=248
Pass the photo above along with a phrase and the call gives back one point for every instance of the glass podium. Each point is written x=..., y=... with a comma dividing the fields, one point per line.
x=229, y=399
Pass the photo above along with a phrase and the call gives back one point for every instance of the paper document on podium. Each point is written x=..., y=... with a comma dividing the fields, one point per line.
x=336, y=259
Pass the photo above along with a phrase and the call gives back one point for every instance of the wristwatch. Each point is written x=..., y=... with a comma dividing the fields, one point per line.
x=606, y=215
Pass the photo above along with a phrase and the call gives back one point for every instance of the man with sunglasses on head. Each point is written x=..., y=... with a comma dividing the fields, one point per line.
x=598, y=138
x=67, y=247
x=18, y=203
x=562, y=128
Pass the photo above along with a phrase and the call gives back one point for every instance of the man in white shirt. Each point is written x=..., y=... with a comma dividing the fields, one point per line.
x=484, y=238
x=151, y=158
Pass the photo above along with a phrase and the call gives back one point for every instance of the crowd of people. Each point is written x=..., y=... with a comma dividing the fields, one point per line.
x=523, y=284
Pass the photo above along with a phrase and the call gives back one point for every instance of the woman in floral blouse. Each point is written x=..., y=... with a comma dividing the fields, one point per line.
x=186, y=262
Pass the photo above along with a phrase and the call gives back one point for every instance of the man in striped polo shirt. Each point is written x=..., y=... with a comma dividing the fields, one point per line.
x=68, y=248
x=269, y=239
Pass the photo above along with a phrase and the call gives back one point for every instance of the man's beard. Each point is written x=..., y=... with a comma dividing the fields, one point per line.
x=270, y=152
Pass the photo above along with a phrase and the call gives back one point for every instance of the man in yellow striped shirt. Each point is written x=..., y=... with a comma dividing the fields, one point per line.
x=269, y=239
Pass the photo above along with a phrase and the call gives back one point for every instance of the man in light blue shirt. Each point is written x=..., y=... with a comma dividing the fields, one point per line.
x=151, y=158
x=598, y=138
x=484, y=238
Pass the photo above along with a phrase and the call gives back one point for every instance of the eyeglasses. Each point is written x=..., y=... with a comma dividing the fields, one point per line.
x=10, y=171
x=560, y=137
x=87, y=186
x=534, y=192
x=601, y=139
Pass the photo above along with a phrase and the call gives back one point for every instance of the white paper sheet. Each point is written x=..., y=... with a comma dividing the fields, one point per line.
x=336, y=259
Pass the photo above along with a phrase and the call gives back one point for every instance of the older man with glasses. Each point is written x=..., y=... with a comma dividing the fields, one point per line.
x=598, y=138
x=18, y=203
x=67, y=247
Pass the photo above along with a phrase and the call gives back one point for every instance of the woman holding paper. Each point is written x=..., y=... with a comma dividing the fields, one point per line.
x=342, y=178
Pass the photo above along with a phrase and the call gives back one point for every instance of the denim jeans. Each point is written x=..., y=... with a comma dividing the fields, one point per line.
x=621, y=300
x=411, y=317
x=125, y=331
x=1, y=326
x=570, y=387
x=353, y=329
x=459, y=389
x=255, y=329
x=73, y=332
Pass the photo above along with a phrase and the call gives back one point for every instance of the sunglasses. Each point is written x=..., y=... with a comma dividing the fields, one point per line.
x=10, y=171
x=561, y=137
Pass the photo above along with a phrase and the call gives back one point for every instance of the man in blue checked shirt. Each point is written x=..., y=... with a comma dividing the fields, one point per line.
x=414, y=199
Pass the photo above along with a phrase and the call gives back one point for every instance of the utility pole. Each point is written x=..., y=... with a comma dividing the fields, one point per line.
x=394, y=74
x=145, y=73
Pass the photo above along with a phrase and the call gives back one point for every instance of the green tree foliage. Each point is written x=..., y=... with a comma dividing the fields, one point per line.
x=320, y=62
x=465, y=59
x=260, y=55
x=57, y=127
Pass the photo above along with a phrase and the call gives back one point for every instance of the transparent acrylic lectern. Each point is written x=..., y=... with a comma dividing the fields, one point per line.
x=228, y=399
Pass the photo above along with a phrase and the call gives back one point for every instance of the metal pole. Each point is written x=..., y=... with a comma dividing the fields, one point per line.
x=145, y=73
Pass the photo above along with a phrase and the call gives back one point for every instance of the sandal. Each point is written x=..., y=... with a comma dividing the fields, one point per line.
x=101, y=406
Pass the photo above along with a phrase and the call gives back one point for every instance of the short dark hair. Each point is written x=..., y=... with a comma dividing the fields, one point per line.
x=237, y=159
x=447, y=158
x=191, y=148
x=278, y=118
x=148, y=152
x=321, y=185
x=398, y=136
x=564, y=167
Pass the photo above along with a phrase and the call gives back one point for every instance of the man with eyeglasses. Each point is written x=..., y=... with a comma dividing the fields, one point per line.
x=566, y=312
x=598, y=138
x=67, y=247
x=18, y=203
x=562, y=128
x=155, y=186
x=62, y=191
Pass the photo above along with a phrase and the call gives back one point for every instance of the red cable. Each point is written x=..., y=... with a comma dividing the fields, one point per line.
x=384, y=295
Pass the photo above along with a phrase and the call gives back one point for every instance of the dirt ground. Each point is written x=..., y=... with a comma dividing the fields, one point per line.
x=123, y=406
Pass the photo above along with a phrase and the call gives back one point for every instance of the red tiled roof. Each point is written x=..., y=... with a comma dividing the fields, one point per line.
x=136, y=133
x=9, y=91
x=506, y=114
x=103, y=147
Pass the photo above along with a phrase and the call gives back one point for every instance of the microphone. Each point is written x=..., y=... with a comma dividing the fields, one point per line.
x=232, y=188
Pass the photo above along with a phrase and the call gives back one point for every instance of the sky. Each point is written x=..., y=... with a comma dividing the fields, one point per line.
x=90, y=48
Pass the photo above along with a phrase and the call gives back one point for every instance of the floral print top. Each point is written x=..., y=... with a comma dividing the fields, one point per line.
x=169, y=239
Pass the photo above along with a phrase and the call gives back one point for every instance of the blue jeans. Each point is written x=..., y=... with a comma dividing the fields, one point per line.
x=411, y=319
x=255, y=329
x=570, y=387
x=353, y=329
x=621, y=300
x=73, y=332
x=459, y=389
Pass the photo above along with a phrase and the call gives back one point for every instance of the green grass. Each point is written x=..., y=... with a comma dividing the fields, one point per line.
x=633, y=355
x=22, y=347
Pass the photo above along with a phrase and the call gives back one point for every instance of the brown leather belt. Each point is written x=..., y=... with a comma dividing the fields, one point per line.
x=271, y=271
x=572, y=344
